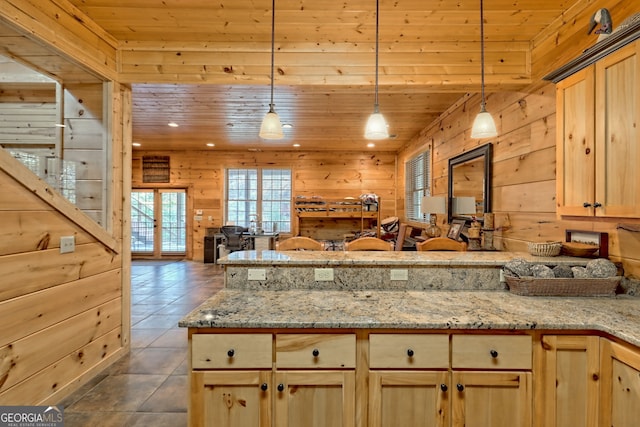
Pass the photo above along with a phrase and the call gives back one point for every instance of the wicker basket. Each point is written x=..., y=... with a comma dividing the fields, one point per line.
x=534, y=286
x=544, y=248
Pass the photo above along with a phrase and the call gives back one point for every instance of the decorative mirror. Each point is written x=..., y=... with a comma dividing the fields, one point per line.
x=470, y=176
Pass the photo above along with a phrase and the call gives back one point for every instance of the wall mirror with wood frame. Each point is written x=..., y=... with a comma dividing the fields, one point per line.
x=470, y=176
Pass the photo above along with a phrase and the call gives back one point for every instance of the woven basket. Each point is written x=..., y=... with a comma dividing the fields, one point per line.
x=544, y=248
x=534, y=286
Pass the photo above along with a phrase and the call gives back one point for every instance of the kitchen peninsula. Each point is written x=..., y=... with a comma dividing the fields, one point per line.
x=343, y=354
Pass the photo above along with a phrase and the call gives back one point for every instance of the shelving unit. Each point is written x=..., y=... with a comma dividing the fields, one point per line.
x=336, y=209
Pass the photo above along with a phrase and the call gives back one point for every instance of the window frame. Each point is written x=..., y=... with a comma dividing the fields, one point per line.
x=417, y=168
x=259, y=201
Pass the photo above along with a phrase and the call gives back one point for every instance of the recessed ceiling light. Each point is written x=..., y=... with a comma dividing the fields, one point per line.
x=211, y=144
x=296, y=145
x=371, y=145
x=173, y=125
x=136, y=144
x=287, y=126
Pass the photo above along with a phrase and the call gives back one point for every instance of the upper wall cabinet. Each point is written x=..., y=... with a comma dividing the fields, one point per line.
x=598, y=137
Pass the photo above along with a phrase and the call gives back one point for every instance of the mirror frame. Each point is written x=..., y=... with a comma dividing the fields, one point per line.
x=484, y=150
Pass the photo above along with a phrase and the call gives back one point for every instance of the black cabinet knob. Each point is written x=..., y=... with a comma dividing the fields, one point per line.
x=597, y=205
x=493, y=353
x=460, y=387
x=586, y=205
x=231, y=353
x=444, y=387
x=315, y=352
x=280, y=387
x=410, y=352
x=264, y=387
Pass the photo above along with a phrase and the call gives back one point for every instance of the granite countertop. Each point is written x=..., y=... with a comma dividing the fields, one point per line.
x=618, y=316
x=413, y=258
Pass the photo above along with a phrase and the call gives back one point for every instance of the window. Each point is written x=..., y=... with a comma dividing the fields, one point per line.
x=260, y=198
x=417, y=176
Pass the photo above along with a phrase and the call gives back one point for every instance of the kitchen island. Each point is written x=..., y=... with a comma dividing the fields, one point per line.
x=373, y=351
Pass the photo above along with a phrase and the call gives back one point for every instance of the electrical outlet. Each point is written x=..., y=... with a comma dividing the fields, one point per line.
x=67, y=244
x=323, y=274
x=399, y=274
x=257, y=274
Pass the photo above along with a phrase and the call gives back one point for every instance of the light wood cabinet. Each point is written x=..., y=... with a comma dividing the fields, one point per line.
x=364, y=214
x=620, y=385
x=409, y=380
x=567, y=387
x=223, y=395
x=315, y=380
x=598, y=137
x=495, y=387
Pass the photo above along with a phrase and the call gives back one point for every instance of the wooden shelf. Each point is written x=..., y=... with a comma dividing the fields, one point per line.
x=346, y=208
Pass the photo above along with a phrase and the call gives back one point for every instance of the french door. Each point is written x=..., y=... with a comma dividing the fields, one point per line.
x=158, y=222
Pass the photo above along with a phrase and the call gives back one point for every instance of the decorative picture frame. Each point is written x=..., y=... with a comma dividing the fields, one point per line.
x=456, y=228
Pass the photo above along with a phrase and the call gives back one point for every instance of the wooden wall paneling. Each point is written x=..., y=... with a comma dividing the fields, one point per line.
x=120, y=103
x=23, y=231
x=53, y=383
x=331, y=175
x=37, y=188
x=531, y=167
x=57, y=24
x=25, y=357
x=564, y=40
x=27, y=124
x=34, y=271
x=38, y=310
x=528, y=197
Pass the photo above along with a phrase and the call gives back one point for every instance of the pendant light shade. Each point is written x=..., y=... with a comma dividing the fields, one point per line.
x=271, y=127
x=484, y=125
x=376, y=127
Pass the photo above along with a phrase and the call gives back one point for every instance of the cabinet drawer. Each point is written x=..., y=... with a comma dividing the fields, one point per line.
x=316, y=351
x=491, y=351
x=408, y=351
x=231, y=351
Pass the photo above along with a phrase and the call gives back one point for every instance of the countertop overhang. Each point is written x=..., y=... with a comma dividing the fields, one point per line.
x=399, y=258
x=420, y=310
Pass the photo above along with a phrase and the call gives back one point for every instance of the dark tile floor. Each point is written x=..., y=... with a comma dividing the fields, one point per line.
x=148, y=386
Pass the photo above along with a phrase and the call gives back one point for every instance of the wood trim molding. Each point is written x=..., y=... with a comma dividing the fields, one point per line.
x=598, y=51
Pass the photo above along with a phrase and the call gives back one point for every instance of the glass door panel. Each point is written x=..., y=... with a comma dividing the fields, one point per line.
x=158, y=222
x=142, y=221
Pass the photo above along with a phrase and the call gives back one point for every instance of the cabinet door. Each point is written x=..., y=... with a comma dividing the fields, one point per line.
x=575, y=155
x=409, y=398
x=620, y=388
x=618, y=133
x=315, y=399
x=230, y=398
x=496, y=399
x=566, y=393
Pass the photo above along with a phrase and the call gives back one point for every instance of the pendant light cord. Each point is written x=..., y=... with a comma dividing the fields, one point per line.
x=482, y=105
x=377, y=25
x=273, y=32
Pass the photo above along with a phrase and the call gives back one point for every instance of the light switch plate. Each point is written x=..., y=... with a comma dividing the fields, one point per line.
x=257, y=274
x=67, y=244
x=399, y=274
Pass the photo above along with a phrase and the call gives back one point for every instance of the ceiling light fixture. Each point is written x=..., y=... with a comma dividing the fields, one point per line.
x=271, y=127
x=172, y=124
x=483, y=125
x=376, y=125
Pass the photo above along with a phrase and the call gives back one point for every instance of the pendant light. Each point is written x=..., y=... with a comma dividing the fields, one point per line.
x=271, y=127
x=376, y=125
x=483, y=125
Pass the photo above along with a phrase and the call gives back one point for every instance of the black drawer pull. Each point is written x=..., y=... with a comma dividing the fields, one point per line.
x=493, y=353
x=231, y=353
x=410, y=352
x=264, y=387
x=280, y=387
x=444, y=387
x=315, y=352
x=460, y=387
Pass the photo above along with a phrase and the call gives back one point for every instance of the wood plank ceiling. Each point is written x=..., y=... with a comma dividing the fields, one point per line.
x=206, y=65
